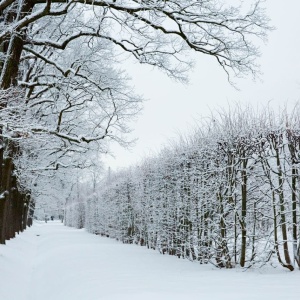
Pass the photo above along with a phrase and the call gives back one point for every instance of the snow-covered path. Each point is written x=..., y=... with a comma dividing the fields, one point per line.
x=53, y=262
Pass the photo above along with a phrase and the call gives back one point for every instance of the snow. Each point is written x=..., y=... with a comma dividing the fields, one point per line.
x=52, y=262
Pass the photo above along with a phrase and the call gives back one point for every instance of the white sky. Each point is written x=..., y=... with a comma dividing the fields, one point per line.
x=173, y=107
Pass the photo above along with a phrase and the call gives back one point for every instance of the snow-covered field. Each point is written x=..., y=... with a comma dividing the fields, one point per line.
x=54, y=262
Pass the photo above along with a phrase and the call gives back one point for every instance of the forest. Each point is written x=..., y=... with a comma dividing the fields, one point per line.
x=228, y=194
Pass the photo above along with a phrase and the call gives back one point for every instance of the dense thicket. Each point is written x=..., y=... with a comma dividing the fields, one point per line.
x=229, y=195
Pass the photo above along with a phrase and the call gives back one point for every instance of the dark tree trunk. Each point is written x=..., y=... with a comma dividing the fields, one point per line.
x=11, y=202
x=244, y=214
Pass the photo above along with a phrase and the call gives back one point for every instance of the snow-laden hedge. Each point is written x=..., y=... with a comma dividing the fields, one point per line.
x=228, y=195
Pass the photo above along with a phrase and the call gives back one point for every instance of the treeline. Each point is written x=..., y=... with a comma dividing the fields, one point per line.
x=227, y=195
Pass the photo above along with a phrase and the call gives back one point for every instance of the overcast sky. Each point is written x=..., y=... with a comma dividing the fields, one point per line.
x=173, y=107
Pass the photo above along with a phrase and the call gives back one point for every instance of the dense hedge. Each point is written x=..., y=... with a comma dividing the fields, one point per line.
x=228, y=195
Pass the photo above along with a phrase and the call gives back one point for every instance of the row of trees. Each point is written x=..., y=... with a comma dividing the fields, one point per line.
x=62, y=93
x=227, y=195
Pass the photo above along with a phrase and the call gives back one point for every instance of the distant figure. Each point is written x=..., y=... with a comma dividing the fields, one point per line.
x=52, y=218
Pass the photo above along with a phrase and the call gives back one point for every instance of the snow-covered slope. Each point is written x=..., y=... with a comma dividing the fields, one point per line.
x=53, y=262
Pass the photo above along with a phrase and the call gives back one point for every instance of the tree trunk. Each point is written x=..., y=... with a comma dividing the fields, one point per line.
x=282, y=213
x=294, y=212
x=244, y=213
x=11, y=204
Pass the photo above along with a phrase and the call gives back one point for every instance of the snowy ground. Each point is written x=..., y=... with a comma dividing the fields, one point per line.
x=53, y=262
